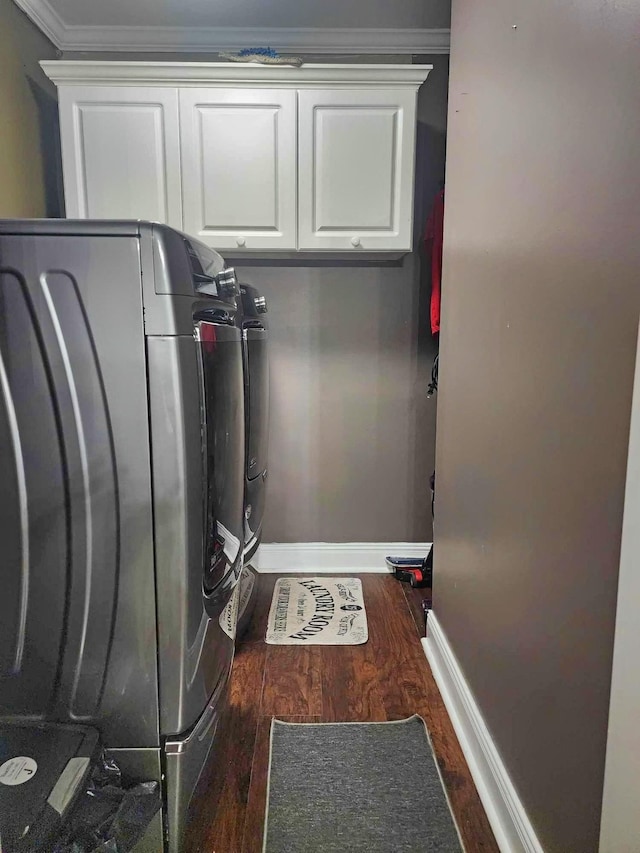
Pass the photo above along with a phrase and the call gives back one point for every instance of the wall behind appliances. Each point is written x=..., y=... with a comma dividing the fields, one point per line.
x=541, y=304
x=352, y=433
x=29, y=138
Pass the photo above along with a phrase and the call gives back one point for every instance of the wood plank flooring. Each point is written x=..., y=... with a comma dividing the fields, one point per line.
x=387, y=678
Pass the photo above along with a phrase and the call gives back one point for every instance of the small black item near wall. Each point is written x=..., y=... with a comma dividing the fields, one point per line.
x=433, y=385
x=416, y=571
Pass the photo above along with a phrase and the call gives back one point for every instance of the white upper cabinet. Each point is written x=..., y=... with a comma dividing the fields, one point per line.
x=239, y=167
x=249, y=158
x=121, y=153
x=356, y=164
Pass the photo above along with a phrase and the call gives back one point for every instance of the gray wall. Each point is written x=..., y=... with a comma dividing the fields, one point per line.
x=29, y=119
x=540, y=314
x=257, y=13
x=352, y=433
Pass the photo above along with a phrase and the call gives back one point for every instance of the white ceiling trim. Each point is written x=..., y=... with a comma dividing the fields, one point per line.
x=46, y=18
x=216, y=39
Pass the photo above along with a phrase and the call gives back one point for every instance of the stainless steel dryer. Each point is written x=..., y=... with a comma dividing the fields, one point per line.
x=121, y=489
x=256, y=387
x=256, y=403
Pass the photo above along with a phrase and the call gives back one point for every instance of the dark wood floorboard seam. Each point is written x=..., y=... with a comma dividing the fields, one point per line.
x=256, y=744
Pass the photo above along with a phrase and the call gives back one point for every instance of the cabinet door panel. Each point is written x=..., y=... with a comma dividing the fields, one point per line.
x=121, y=155
x=356, y=166
x=239, y=166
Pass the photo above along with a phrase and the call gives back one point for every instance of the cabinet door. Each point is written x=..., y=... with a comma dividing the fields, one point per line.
x=356, y=166
x=121, y=153
x=239, y=167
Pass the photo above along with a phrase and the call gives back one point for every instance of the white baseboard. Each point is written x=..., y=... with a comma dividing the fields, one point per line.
x=511, y=826
x=326, y=557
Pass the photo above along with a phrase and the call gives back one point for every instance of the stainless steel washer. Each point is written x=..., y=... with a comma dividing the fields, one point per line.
x=121, y=491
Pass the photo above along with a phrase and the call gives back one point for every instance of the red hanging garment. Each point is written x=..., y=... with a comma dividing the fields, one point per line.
x=433, y=248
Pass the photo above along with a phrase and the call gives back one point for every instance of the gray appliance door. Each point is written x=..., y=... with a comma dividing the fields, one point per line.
x=197, y=437
x=77, y=610
x=257, y=399
x=256, y=383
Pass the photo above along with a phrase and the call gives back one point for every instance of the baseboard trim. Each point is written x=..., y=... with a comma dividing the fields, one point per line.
x=507, y=816
x=325, y=557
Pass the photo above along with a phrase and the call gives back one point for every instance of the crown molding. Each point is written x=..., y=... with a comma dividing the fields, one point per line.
x=102, y=72
x=45, y=18
x=216, y=39
x=351, y=40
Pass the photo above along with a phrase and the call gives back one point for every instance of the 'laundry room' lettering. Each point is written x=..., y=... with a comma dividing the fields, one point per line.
x=324, y=611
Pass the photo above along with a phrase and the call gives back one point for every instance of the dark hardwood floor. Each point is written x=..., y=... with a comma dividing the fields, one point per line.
x=387, y=678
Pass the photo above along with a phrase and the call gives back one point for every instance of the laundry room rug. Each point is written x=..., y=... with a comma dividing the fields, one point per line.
x=317, y=612
x=356, y=787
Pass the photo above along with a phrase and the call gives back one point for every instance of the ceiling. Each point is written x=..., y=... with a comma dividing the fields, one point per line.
x=314, y=25
x=254, y=13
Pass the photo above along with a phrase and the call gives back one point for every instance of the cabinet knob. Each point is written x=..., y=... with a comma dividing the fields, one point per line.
x=241, y=241
x=355, y=241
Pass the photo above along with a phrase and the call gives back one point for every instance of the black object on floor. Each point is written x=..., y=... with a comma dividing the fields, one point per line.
x=417, y=571
x=357, y=787
x=43, y=771
x=109, y=816
x=60, y=793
